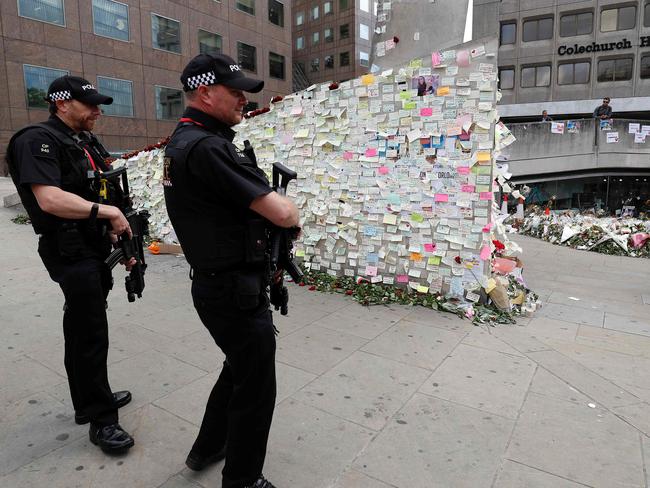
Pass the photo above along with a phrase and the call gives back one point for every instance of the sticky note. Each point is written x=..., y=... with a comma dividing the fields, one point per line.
x=483, y=156
x=410, y=105
x=402, y=278
x=347, y=155
x=434, y=260
x=485, y=195
x=430, y=247
x=467, y=188
x=463, y=170
x=300, y=253
x=416, y=256
x=485, y=253
x=296, y=110
x=462, y=59
x=371, y=270
x=371, y=152
x=416, y=217
x=383, y=170
x=442, y=91
x=405, y=95
x=426, y=112
x=436, y=58
x=423, y=289
x=367, y=79
x=390, y=219
x=441, y=197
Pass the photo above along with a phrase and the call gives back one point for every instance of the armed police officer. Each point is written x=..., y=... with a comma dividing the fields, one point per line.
x=218, y=199
x=51, y=165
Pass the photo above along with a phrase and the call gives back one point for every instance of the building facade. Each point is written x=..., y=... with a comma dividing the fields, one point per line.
x=332, y=39
x=135, y=52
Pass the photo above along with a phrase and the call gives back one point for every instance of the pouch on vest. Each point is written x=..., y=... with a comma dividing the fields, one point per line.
x=255, y=242
x=71, y=242
x=248, y=288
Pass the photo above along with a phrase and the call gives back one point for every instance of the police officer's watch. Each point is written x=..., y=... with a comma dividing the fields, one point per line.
x=94, y=211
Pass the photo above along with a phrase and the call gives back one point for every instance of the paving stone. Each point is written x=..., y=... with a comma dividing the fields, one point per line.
x=355, y=479
x=161, y=444
x=520, y=339
x=576, y=442
x=547, y=330
x=432, y=442
x=175, y=323
x=629, y=309
x=483, y=337
x=298, y=317
x=547, y=384
x=487, y=380
x=572, y=314
x=197, y=349
x=515, y=475
x=364, y=388
x=624, y=323
x=290, y=380
x=22, y=376
x=416, y=344
x=354, y=322
x=179, y=481
x=189, y=401
x=613, y=340
x=433, y=318
x=637, y=415
x=316, y=349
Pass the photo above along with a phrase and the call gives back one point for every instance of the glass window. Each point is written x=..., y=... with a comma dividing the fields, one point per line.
x=532, y=76
x=315, y=38
x=573, y=73
x=37, y=81
x=315, y=65
x=328, y=34
x=247, y=6
x=365, y=5
x=276, y=13
x=300, y=18
x=538, y=29
x=506, y=78
x=615, y=69
x=576, y=24
x=329, y=62
x=166, y=33
x=250, y=106
x=364, y=59
x=646, y=15
x=344, y=59
x=300, y=42
x=344, y=31
x=209, y=43
x=247, y=56
x=122, y=93
x=276, y=66
x=364, y=32
x=508, y=33
x=343, y=4
x=615, y=19
x=645, y=66
x=51, y=11
x=169, y=103
x=111, y=19
x=314, y=13
x=327, y=8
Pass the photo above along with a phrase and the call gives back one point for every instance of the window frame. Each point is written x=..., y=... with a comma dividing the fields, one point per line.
x=314, y=9
x=303, y=43
x=180, y=53
x=331, y=37
x=312, y=64
x=614, y=59
x=347, y=36
x=367, y=60
x=268, y=6
x=535, y=67
x=128, y=21
x=156, y=99
x=537, y=20
x=344, y=4
x=64, y=24
x=284, y=66
x=341, y=57
x=331, y=57
x=501, y=25
x=199, y=30
x=576, y=15
x=317, y=34
x=45, y=107
x=130, y=82
x=646, y=10
x=331, y=4
x=573, y=63
x=361, y=5
x=645, y=55
x=367, y=31
x=239, y=61
x=302, y=17
x=514, y=74
x=244, y=11
x=617, y=7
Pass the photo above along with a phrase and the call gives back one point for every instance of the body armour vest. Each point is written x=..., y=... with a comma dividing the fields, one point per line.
x=214, y=235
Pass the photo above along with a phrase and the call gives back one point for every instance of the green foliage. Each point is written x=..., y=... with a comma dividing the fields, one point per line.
x=21, y=219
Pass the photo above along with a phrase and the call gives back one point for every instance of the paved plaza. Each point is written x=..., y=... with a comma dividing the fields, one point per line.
x=367, y=397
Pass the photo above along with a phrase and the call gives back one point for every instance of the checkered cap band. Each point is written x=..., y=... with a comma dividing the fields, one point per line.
x=207, y=79
x=60, y=95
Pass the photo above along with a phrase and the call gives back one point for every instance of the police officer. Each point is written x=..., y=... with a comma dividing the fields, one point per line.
x=50, y=164
x=218, y=199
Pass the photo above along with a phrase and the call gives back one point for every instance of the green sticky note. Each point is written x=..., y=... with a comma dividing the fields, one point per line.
x=415, y=63
x=434, y=260
x=416, y=217
x=410, y=105
x=300, y=253
x=405, y=95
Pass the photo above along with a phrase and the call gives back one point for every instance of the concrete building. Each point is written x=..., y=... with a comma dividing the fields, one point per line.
x=135, y=52
x=331, y=39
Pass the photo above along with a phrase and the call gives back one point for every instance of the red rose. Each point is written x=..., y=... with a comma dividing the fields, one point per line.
x=498, y=244
x=457, y=259
x=395, y=39
x=334, y=86
x=276, y=99
x=302, y=283
x=312, y=287
x=349, y=292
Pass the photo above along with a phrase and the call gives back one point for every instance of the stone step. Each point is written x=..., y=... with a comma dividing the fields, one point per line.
x=8, y=194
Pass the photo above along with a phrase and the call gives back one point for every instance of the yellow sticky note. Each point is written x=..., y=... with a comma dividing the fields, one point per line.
x=367, y=79
x=483, y=156
x=423, y=289
x=405, y=95
x=301, y=133
x=269, y=131
x=416, y=256
x=442, y=91
x=415, y=63
x=390, y=219
x=410, y=105
x=434, y=260
x=416, y=217
x=300, y=253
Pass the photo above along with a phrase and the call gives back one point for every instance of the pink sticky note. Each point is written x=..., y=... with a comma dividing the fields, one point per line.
x=488, y=227
x=371, y=270
x=383, y=170
x=287, y=138
x=463, y=170
x=426, y=112
x=347, y=155
x=296, y=110
x=442, y=197
x=485, y=253
x=436, y=58
x=430, y=247
x=467, y=188
x=486, y=195
x=402, y=278
x=371, y=152
x=462, y=58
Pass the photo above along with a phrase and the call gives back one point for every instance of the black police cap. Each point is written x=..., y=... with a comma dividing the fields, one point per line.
x=217, y=69
x=73, y=87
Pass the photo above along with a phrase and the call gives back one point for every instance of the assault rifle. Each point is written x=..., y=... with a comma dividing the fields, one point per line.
x=281, y=246
x=127, y=247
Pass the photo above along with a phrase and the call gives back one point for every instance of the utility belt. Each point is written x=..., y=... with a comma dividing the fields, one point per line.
x=76, y=240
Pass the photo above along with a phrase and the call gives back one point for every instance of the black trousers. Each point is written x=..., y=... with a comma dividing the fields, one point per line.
x=240, y=407
x=85, y=283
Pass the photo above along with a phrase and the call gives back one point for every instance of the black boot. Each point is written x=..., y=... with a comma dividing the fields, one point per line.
x=197, y=462
x=110, y=438
x=120, y=398
x=261, y=483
